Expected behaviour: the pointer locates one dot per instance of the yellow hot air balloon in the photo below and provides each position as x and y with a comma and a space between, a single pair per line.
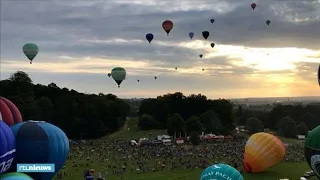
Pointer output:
262, 151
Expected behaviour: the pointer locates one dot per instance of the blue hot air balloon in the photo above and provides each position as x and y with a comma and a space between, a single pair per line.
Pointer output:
149, 37
40, 142
191, 34
15, 176
220, 172
7, 147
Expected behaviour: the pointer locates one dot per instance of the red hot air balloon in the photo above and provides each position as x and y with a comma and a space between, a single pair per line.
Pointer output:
9, 113
253, 5
167, 26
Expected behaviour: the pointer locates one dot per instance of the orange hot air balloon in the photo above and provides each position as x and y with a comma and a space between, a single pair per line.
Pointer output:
262, 151
167, 26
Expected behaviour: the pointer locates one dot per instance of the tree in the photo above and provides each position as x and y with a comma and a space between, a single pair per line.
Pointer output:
309, 120
194, 124
254, 125
195, 138
287, 128
211, 122
20, 77
176, 125
302, 128
147, 122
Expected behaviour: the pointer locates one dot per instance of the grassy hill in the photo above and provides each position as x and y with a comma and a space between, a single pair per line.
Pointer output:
130, 130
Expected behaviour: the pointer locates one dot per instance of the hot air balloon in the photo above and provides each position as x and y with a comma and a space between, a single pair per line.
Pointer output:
200, 55
30, 50
176, 68
205, 34
319, 75
109, 74
268, 22
40, 142
118, 74
202, 69
138, 80
191, 34
9, 113
253, 5
212, 45
149, 37
155, 77
312, 150
7, 147
15, 176
212, 21
262, 151
220, 172
167, 26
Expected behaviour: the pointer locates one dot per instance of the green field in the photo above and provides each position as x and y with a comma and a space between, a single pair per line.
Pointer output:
283, 170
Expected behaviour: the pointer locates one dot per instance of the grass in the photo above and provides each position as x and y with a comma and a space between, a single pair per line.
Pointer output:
282, 170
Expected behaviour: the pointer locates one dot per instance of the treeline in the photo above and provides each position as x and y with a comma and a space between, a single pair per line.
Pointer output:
182, 115
78, 114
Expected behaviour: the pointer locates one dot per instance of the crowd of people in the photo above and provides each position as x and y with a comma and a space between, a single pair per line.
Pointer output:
118, 157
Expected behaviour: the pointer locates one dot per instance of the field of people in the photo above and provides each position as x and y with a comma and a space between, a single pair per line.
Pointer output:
114, 158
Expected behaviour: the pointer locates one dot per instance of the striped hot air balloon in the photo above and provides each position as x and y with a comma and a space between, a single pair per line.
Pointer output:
40, 142
262, 151
7, 147
9, 113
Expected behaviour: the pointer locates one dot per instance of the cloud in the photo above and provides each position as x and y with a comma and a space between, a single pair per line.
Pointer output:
92, 37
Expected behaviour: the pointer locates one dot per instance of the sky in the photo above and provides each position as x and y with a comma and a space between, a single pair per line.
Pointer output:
81, 41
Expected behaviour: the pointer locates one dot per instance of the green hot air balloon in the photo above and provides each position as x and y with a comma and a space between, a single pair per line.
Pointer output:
312, 150
30, 50
118, 74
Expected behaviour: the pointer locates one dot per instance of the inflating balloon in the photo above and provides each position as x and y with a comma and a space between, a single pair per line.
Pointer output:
212, 45
268, 22
262, 151
109, 74
30, 50
200, 55
191, 34
9, 113
220, 172
212, 21
40, 142
7, 147
15, 176
319, 75
312, 150
205, 34
253, 5
149, 37
167, 26
118, 74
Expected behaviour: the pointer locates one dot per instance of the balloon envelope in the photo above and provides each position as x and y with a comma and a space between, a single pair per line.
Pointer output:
268, 22
312, 150
205, 34
220, 172
40, 142
30, 50
109, 74
118, 74
9, 113
262, 151
15, 176
212, 45
191, 34
212, 20
253, 5
167, 26
7, 147
149, 37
